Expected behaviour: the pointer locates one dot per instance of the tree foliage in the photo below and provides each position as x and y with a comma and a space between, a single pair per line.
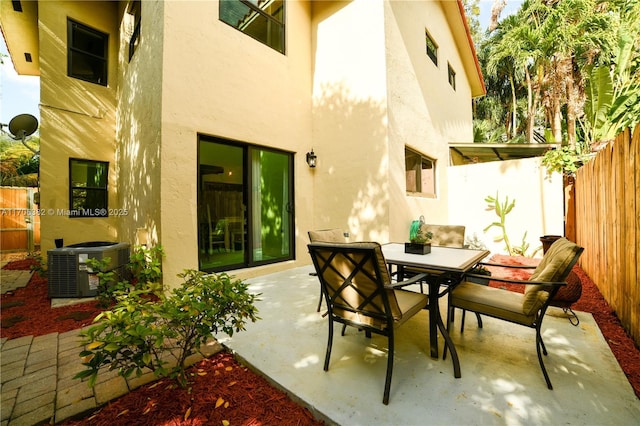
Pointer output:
18, 164
568, 66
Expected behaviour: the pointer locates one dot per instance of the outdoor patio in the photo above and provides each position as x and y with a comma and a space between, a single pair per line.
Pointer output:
501, 380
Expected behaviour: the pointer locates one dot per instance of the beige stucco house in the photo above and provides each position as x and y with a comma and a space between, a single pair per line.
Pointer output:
188, 123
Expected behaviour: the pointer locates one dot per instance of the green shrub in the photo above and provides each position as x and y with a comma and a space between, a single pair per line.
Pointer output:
142, 273
139, 332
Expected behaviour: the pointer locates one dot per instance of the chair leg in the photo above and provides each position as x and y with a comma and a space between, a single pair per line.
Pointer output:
387, 380
320, 301
539, 346
329, 344
479, 320
572, 316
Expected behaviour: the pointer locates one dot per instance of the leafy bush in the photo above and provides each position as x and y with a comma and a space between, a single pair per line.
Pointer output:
142, 273
140, 333
564, 161
145, 265
39, 266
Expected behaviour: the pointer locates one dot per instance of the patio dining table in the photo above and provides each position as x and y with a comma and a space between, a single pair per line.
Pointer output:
446, 266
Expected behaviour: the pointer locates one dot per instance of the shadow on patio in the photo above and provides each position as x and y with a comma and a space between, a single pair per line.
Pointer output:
501, 380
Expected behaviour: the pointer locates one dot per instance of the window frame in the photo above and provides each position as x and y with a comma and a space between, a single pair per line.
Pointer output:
419, 190
89, 211
431, 47
265, 15
451, 76
135, 10
72, 52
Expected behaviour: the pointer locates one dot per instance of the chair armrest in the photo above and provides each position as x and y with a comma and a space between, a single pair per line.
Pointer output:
412, 280
502, 265
520, 282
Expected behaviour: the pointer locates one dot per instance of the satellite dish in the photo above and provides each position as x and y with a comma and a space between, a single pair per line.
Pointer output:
23, 125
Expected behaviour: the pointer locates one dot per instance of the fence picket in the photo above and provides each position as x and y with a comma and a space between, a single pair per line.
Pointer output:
608, 225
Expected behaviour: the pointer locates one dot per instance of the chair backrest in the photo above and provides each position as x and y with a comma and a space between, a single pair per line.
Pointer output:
445, 235
334, 235
353, 278
555, 266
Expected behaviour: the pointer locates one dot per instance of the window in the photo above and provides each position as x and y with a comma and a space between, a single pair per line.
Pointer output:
88, 188
245, 205
135, 17
432, 48
261, 19
452, 76
87, 53
420, 173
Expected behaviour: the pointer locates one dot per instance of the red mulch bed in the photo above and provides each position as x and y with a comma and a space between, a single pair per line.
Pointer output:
592, 301
27, 311
222, 391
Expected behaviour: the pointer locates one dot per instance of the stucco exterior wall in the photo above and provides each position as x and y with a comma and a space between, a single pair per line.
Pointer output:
539, 208
218, 81
351, 181
355, 85
425, 112
139, 121
77, 121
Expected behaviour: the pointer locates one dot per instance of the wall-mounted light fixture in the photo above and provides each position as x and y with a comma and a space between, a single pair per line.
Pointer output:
311, 158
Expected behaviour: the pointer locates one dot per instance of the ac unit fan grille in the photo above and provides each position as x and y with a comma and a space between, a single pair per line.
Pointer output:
62, 275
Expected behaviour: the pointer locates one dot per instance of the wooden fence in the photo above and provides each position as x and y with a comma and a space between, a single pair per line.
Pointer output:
19, 220
607, 204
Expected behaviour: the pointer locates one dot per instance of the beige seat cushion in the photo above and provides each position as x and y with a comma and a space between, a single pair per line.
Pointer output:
410, 303
327, 236
554, 267
491, 301
403, 304
445, 235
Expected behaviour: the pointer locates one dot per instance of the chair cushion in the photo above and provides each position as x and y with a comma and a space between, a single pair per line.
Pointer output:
327, 236
410, 303
554, 267
496, 302
445, 235
364, 281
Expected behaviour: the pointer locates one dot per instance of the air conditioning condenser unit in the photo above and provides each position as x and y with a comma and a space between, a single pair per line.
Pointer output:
69, 274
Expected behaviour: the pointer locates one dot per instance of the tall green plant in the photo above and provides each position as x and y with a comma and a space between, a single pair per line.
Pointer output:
501, 210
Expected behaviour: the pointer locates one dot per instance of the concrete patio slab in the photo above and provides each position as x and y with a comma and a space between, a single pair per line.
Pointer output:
501, 380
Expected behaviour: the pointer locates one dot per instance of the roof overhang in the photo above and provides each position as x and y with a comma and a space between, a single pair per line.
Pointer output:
466, 153
454, 11
19, 21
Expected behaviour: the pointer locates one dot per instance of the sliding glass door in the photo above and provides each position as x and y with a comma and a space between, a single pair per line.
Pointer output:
245, 205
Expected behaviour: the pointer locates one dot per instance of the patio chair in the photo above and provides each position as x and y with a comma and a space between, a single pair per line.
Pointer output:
526, 309
333, 235
357, 286
444, 236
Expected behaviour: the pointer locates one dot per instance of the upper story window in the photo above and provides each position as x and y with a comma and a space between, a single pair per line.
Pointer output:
420, 173
432, 47
261, 19
88, 188
135, 17
87, 53
452, 76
